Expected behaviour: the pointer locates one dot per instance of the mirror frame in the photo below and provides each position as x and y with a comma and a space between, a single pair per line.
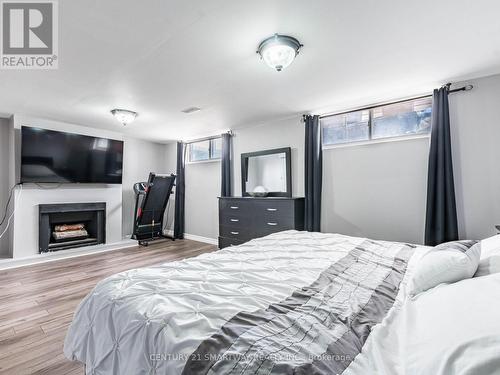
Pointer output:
288, 162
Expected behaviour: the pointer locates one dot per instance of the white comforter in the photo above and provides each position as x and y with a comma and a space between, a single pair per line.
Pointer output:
151, 320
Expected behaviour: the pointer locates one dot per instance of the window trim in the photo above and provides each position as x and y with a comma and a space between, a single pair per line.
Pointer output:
210, 150
203, 161
399, 138
371, 140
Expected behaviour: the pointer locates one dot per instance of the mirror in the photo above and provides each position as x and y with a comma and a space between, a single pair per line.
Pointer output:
268, 171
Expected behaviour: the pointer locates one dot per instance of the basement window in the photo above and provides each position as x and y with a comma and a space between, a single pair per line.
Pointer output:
205, 150
401, 119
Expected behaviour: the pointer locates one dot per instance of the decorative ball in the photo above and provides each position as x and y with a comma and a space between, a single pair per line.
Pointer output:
259, 191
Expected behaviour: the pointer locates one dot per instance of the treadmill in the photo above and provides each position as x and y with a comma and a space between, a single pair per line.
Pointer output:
151, 200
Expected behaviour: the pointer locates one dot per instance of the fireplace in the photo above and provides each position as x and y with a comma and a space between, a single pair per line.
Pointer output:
71, 225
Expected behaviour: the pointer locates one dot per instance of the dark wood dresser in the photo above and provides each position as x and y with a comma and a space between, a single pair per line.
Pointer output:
244, 218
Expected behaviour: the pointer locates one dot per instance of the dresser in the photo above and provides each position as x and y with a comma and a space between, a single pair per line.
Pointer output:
244, 218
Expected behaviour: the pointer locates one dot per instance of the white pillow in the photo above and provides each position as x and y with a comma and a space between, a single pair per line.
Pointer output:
490, 246
445, 263
488, 265
490, 257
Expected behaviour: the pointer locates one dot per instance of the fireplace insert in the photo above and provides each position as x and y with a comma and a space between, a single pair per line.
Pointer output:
71, 225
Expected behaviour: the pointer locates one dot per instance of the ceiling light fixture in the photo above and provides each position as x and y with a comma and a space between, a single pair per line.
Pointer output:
278, 51
191, 110
124, 115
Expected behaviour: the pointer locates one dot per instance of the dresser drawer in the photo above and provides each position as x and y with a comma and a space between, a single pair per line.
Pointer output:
242, 234
226, 242
235, 207
267, 227
235, 220
275, 207
242, 219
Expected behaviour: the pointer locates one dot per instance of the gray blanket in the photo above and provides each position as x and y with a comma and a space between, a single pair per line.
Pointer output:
337, 310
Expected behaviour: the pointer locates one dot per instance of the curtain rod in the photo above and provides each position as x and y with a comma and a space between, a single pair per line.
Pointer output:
464, 88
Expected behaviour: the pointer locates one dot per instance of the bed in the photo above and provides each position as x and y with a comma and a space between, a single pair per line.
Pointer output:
288, 303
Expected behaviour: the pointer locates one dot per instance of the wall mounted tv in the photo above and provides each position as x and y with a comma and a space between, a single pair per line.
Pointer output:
49, 156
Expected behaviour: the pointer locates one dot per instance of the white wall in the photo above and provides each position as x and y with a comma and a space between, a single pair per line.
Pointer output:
4, 180
25, 237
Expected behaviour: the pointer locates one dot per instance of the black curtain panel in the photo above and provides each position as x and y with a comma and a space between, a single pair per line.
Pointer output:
226, 178
313, 173
441, 224
179, 192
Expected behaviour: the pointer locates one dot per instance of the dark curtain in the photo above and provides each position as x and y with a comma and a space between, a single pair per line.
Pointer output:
226, 188
441, 224
313, 173
179, 192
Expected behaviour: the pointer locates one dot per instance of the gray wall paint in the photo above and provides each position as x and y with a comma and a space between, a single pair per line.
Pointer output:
4, 180
366, 189
475, 121
283, 133
170, 166
377, 190
203, 179
380, 190
140, 158
202, 190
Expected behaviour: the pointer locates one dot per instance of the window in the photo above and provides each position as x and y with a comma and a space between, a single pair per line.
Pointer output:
216, 148
347, 127
411, 117
209, 149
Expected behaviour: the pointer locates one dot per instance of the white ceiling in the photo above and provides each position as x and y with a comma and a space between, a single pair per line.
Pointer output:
159, 57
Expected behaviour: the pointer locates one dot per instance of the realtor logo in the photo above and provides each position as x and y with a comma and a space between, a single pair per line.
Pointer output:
29, 35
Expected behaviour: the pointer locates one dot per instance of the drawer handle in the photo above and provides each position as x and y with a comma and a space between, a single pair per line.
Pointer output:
235, 233
272, 209
235, 220
272, 224
234, 207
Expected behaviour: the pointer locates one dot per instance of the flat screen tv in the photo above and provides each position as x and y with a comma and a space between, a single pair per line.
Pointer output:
49, 156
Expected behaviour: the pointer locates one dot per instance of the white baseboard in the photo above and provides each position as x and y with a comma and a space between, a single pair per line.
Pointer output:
58, 255
8, 263
194, 237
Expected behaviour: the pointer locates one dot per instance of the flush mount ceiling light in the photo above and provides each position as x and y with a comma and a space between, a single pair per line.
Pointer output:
124, 115
191, 110
278, 51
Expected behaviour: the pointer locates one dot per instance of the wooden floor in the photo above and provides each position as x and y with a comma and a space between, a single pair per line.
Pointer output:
37, 302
